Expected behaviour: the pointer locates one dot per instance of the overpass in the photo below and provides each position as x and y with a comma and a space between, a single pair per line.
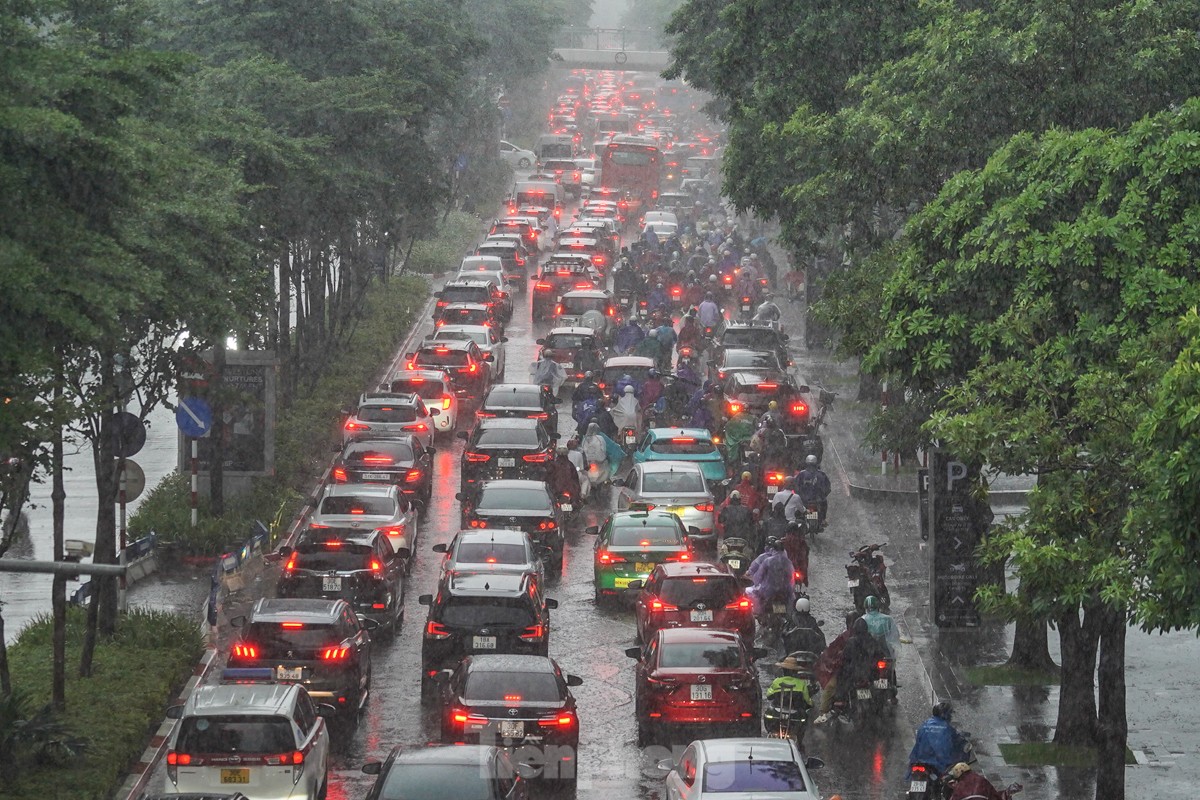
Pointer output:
633, 49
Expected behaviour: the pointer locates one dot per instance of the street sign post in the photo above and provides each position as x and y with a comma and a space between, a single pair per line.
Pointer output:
194, 417
129, 434
957, 522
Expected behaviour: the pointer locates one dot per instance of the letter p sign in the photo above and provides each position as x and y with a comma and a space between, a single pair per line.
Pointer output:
955, 471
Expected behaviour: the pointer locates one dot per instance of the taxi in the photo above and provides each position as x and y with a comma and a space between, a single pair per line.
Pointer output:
629, 545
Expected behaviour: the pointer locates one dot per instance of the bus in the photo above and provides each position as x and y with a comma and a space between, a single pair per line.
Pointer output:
633, 166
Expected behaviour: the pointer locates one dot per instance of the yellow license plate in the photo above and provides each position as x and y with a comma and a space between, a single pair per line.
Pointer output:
646, 567
676, 510
622, 583
235, 775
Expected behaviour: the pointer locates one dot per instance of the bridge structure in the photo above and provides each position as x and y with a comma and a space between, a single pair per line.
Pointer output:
632, 49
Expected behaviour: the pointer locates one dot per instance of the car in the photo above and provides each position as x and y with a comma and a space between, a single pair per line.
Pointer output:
493, 271
519, 701
682, 204
629, 545
520, 505
481, 291
542, 221
692, 595
566, 172
662, 230
523, 401
576, 348
364, 507
683, 444
506, 447
526, 227
660, 216
401, 461
516, 157
235, 735
390, 414
434, 773
513, 256
483, 612
695, 678
490, 342
490, 550
469, 314
480, 263
678, 487
544, 216
320, 644
469, 370
742, 769
755, 336
729, 360
561, 273
599, 250
754, 392
433, 386
588, 308
636, 367
360, 567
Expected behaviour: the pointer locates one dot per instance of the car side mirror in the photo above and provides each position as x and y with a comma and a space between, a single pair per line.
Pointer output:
812, 762
693, 531
666, 765
431, 449
403, 552
556, 401
634, 652
540, 341
435, 412
551, 603
441, 548
425, 600
503, 339
574, 680
372, 768
464, 435
460, 497
175, 712
238, 621
820, 623
592, 530
367, 623
636, 583
489, 358
803, 388
442, 676
759, 652
285, 551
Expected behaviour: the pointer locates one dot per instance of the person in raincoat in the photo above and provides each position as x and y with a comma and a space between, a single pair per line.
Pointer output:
652, 389
548, 372
627, 413
629, 336
603, 455
622, 384
771, 574
738, 432
579, 461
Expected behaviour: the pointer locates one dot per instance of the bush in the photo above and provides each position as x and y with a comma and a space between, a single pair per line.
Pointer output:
445, 252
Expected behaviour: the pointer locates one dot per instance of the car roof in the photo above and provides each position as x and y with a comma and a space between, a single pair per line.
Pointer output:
737, 749
670, 433
474, 583
462, 328
449, 344
387, 399
300, 609
466, 754
514, 388
427, 374
573, 330
242, 699
670, 466
692, 635
629, 361
499, 535
359, 489
509, 422
512, 663
683, 569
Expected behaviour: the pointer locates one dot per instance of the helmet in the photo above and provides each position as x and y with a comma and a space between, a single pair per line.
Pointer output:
691, 273
675, 254
735, 495
943, 710
587, 374
799, 661
660, 286
811, 460
628, 390
769, 422
774, 543
772, 405
712, 279
860, 627
802, 605
654, 373
745, 261
709, 295
958, 770
871, 603
746, 476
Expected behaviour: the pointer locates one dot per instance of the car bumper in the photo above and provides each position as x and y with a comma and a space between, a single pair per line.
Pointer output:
267, 783
445, 421
609, 582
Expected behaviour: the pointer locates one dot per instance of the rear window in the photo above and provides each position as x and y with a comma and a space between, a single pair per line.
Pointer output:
539, 687
242, 734
501, 437
465, 294
649, 536
683, 446
747, 359
387, 413
335, 556
448, 358
487, 612
378, 454
682, 482
425, 389
700, 655
435, 782
466, 316
514, 498
367, 506
684, 591
567, 341
509, 399
491, 553
581, 305
478, 337
723, 777
749, 338
613, 374
274, 638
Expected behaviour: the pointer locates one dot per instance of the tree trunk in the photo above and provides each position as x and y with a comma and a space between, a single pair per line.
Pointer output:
283, 331
1031, 648
216, 461
1112, 727
106, 494
5, 677
1076, 724
58, 587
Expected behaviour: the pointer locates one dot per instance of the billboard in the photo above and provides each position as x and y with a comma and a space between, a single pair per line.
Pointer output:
957, 522
245, 399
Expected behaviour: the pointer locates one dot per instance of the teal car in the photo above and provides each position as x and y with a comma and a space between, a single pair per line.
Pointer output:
683, 444
630, 544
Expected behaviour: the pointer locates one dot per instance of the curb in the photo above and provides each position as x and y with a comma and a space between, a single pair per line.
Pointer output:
1003, 497
135, 784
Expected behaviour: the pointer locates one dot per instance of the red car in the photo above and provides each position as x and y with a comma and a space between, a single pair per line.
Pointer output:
695, 595
689, 678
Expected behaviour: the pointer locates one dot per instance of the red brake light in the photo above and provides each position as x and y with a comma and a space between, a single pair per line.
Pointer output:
351, 425
542, 286
478, 458
420, 427
919, 768
659, 605
340, 475
441, 350
562, 721
547, 525
479, 523
683, 440
605, 557
376, 565
741, 604
436, 630
377, 459
881, 665
534, 632
245, 651
768, 386
735, 408
611, 311
178, 759
337, 653
295, 625
290, 565
728, 279
708, 507
680, 556
676, 291
799, 408
536, 458
473, 368
413, 476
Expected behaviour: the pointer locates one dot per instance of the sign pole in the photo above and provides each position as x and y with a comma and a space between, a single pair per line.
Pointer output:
121, 488
195, 479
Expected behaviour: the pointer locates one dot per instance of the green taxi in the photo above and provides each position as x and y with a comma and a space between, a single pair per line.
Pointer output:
630, 544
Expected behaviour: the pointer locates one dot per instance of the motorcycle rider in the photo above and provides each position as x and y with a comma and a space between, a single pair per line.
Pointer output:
884, 629
938, 744
771, 444
659, 299
813, 487
665, 333
772, 412
787, 499
858, 659
622, 382
738, 432
625, 279
796, 678
736, 519
563, 477
652, 389
710, 312
690, 334
966, 784
628, 336
795, 544
596, 448
627, 413
548, 372
579, 461
604, 419
767, 311
805, 632
771, 574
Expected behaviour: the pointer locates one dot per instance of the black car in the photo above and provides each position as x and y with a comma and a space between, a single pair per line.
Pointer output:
754, 392
402, 461
469, 369
506, 447
483, 612
320, 644
512, 701
761, 362
755, 336
520, 505
559, 276
357, 566
522, 400
435, 773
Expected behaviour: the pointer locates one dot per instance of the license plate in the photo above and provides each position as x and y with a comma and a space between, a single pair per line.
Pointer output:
863, 694
852, 583
289, 673
644, 567
701, 691
376, 476
676, 510
779, 608
333, 584
881, 683
812, 516
630, 438
624, 301
622, 583
772, 489
512, 728
568, 507
241, 775
702, 616
508, 462
745, 306
917, 786
483, 642
734, 563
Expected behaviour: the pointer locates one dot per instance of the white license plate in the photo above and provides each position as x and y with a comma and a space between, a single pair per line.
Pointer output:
630, 438
881, 683
863, 694
917, 786
483, 642
333, 584
701, 691
289, 673
812, 516
734, 563
568, 507
852, 583
512, 728
779, 608
702, 616
772, 488
376, 476
745, 306
508, 462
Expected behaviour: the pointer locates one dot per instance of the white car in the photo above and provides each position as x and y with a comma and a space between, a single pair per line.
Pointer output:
434, 387
663, 230
385, 414
266, 740
516, 157
741, 769
660, 216
482, 335
675, 486
367, 507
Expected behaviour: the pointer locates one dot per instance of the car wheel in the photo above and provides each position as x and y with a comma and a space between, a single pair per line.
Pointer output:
645, 733
524, 163
556, 563
324, 790
427, 688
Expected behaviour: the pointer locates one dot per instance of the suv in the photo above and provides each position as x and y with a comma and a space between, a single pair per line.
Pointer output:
469, 314
490, 342
560, 274
400, 461
359, 567
434, 388
319, 644
469, 370
387, 414
576, 349
588, 308
506, 447
471, 290
700, 595
566, 172
483, 612
754, 392
756, 336
270, 741
514, 257
522, 400
528, 232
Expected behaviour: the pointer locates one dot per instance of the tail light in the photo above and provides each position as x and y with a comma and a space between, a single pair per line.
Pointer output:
662, 684
680, 556
245, 651
728, 279
611, 311
446, 403
414, 475
351, 425
534, 633
575, 176
477, 458
436, 630
478, 523
547, 525
536, 458
473, 368
741, 604
561, 721
542, 286
420, 427
881, 665
659, 605
376, 566
676, 291
605, 557
775, 478
461, 717
799, 408
290, 566
798, 577
335, 653
707, 507
558, 310
921, 768
394, 530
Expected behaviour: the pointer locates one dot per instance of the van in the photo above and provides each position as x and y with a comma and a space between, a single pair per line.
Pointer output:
553, 145
536, 193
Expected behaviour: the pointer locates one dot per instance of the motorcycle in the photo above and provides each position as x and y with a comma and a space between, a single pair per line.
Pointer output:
785, 715
746, 307
735, 554
774, 481
625, 299
807, 639
773, 619
812, 518
924, 782
629, 439
865, 576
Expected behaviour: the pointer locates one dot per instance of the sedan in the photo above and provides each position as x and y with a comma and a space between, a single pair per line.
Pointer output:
402, 462
506, 448
519, 505
697, 595
517, 157
742, 769
434, 773
521, 401
695, 445
760, 362
696, 678
365, 507
677, 487
575, 348
490, 550
629, 545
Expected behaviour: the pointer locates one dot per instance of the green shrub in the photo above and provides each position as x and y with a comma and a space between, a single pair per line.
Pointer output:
445, 251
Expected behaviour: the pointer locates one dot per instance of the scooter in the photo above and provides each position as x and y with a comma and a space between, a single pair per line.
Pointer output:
865, 576
786, 714
812, 518
629, 439
735, 554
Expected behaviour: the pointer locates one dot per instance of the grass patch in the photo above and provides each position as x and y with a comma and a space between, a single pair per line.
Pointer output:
1003, 675
135, 675
1049, 754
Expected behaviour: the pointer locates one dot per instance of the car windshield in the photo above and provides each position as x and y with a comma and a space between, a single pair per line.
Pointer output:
567, 341
703, 655
387, 413
487, 612
538, 687
683, 482
422, 387
491, 553
581, 305
332, 556
236, 733
723, 777
520, 499
355, 506
435, 782
684, 591
377, 454
507, 437
683, 446
648, 536
443, 357
517, 399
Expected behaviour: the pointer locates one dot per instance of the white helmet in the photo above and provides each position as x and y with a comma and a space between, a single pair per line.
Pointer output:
802, 605
811, 460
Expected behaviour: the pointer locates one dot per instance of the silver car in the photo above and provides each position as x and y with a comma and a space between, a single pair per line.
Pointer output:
368, 506
484, 336
490, 550
383, 414
675, 486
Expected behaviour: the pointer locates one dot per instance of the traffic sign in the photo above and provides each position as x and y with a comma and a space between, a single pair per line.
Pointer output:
135, 480
129, 434
194, 416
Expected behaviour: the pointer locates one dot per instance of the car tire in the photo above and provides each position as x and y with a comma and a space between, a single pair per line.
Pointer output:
427, 689
556, 563
524, 163
645, 733
323, 792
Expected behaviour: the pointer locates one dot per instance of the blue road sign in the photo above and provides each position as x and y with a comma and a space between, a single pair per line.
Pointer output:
194, 416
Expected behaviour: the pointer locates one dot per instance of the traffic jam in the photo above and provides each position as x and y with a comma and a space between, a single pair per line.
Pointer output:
579, 539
